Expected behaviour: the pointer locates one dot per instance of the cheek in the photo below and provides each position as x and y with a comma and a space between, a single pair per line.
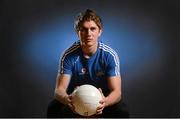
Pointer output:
98, 34
80, 35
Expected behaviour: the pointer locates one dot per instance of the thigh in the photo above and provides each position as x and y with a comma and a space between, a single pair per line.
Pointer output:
57, 109
117, 110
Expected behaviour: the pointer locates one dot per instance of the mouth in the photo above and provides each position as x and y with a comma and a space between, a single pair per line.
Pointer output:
89, 39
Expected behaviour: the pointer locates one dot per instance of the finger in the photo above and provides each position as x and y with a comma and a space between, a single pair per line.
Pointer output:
99, 111
69, 100
70, 97
100, 90
70, 106
76, 87
73, 108
102, 101
100, 107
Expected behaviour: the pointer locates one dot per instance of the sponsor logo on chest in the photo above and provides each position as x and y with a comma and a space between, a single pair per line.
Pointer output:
99, 73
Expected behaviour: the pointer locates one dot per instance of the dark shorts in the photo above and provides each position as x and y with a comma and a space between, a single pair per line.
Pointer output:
57, 109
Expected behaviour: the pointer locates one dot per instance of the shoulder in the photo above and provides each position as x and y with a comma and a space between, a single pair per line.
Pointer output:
107, 50
72, 49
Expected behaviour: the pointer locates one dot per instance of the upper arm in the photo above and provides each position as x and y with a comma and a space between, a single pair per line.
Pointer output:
114, 83
64, 72
113, 71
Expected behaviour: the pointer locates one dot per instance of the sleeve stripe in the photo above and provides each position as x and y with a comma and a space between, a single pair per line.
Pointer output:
114, 54
68, 51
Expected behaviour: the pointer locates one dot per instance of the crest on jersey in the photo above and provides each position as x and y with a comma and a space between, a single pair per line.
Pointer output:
83, 70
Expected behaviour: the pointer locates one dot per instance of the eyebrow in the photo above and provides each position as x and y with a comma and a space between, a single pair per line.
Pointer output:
93, 27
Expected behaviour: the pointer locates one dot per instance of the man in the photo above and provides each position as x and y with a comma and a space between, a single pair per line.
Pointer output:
88, 61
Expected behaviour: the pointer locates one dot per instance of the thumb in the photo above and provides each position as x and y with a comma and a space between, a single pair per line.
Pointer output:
100, 90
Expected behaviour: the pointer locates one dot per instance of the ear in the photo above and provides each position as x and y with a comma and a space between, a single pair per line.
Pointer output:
100, 31
78, 33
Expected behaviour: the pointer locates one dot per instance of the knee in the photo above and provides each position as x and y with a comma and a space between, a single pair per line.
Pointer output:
53, 108
123, 109
119, 110
54, 103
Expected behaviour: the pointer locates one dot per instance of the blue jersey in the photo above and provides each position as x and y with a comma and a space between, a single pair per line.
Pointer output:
94, 70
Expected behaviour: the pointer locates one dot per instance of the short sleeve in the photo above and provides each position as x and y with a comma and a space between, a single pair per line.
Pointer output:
65, 65
113, 65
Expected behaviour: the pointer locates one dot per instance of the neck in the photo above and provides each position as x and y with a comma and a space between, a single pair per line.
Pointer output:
89, 50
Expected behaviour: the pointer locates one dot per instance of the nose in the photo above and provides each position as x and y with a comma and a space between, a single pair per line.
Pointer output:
88, 32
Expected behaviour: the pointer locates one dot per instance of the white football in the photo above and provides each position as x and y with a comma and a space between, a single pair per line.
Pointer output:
86, 99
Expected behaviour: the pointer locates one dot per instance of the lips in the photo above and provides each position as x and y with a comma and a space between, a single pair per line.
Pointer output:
89, 39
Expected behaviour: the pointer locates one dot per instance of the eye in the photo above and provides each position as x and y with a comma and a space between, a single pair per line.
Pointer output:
93, 28
82, 29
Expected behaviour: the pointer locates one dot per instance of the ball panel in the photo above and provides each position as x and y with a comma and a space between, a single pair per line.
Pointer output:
86, 99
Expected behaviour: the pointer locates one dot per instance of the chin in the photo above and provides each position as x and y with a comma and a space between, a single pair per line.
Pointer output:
89, 44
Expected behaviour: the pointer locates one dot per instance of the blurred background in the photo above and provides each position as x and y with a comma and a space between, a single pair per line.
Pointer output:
145, 34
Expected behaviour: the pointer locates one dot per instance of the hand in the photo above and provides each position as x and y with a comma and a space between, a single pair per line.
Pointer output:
102, 104
68, 102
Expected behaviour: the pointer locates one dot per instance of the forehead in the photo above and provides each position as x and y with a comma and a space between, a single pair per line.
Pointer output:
88, 24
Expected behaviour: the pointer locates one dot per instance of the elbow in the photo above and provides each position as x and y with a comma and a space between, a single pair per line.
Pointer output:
119, 96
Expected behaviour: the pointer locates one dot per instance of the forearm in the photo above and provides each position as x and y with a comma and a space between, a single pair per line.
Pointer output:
112, 98
60, 95
61, 86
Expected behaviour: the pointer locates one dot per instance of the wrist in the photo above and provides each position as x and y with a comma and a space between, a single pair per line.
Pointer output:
61, 97
64, 99
106, 102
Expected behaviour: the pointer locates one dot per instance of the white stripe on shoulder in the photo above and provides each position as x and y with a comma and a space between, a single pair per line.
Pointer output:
73, 46
68, 51
114, 54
